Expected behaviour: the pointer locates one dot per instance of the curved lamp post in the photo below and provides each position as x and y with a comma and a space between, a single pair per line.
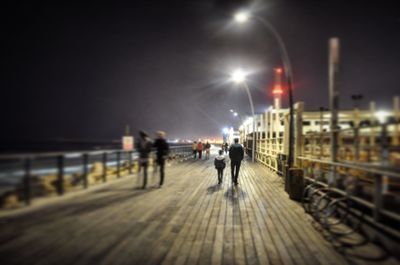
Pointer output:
242, 17
239, 77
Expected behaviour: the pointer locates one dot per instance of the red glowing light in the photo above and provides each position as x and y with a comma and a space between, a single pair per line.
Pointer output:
278, 70
277, 92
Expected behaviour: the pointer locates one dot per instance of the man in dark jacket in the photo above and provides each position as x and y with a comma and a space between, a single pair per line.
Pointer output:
144, 149
162, 149
236, 154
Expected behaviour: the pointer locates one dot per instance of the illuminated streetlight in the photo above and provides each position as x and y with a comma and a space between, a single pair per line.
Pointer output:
242, 17
239, 77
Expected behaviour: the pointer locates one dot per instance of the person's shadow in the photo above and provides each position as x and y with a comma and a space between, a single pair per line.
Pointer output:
234, 194
214, 188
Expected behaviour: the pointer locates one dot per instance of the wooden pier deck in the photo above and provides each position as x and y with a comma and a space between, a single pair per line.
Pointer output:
191, 220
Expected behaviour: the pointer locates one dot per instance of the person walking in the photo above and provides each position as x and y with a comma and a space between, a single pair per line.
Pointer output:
162, 150
144, 148
219, 163
200, 149
207, 146
226, 147
236, 154
194, 149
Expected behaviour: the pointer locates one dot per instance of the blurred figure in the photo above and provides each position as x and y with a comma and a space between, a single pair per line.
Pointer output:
219, 163
200, 149
226, 147
162, 149
144, 149
236, 154
207, 146
194, 148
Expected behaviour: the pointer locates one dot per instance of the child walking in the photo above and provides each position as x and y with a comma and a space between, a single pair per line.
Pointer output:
219, 163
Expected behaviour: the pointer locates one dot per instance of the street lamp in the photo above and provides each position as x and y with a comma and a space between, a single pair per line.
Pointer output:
242, 17
239, 77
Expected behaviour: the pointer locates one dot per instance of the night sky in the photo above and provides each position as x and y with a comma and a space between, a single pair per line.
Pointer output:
83, 71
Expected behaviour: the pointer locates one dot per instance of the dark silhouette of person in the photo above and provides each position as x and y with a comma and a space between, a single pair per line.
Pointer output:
144, 148
162, 150
200, 149
207, 147
236, 154
226, 148
219, 163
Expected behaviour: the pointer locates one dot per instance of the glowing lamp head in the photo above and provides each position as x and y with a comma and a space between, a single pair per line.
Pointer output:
235, 114
241, 17
238, 76
278, 70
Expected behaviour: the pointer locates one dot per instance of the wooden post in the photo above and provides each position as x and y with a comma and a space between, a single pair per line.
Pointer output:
372, 110
396, 110
130, 162
60, 176
27, 181
378, 187
104, 176
85, 170
334, 102
118, 164
298, 150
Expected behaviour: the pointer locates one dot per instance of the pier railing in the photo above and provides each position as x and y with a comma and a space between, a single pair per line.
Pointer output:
25, 176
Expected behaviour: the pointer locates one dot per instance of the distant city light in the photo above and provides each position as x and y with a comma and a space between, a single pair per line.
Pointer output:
235, 114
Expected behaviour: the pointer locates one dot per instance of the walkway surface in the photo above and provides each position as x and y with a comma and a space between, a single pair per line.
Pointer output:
191, 220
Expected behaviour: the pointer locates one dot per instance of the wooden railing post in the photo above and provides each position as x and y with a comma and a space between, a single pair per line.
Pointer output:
60, 176
27, 181
118, 164
104, 176
85, 170
130, 162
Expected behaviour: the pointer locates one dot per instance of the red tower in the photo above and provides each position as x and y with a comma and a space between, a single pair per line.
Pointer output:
277, 90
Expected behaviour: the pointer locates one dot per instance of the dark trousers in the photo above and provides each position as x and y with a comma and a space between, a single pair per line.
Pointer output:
161, 164
200, 152
235, 167
143, 166
220, 174
194, 154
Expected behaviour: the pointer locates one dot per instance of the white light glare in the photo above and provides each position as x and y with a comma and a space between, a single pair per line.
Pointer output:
382, 115
249, 120
238, 76
235, 114
241, 17
225, 130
